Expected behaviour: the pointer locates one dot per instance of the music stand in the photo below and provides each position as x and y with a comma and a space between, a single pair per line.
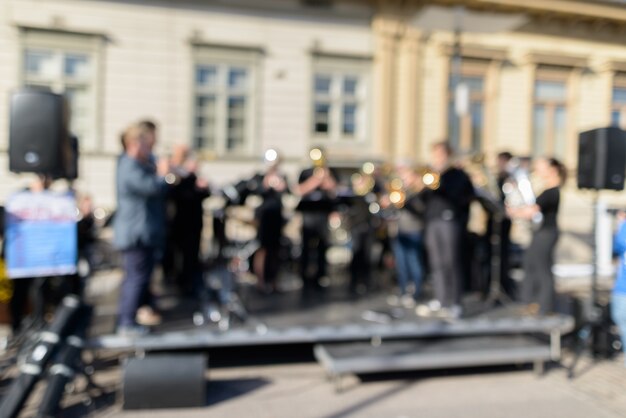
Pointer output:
496, 295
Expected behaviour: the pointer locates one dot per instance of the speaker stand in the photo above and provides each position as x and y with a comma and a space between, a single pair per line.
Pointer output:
593, 316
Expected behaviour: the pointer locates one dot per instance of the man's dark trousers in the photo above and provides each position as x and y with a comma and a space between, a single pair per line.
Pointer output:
138, 266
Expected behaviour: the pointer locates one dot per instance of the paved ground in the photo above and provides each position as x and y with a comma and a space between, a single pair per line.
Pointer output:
300, 390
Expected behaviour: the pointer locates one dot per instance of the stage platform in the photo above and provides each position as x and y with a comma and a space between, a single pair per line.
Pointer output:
297, 318
341, 359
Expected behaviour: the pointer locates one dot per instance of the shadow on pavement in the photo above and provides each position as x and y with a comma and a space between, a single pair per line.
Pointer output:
225, 390
103, 401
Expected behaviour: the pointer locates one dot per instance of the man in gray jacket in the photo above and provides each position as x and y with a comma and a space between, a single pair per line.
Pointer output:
139, 223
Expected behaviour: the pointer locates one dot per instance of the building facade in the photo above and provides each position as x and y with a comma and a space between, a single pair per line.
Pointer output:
363, 78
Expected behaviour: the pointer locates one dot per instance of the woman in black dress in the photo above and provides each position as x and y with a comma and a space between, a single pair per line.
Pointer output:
537, 290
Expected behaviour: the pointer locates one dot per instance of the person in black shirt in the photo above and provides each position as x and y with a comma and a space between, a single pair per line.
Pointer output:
271, 186
317, 188
538, 287
361, 222
503, 176
186, 197
446, 216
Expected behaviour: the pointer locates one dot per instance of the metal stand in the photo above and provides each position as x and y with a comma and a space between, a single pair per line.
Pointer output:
27, 336
220, 302
68, 365
593, 317
496, 295
47, 346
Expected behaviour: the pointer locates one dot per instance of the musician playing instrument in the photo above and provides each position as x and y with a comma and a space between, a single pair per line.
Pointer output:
317, 188
361, 205
446, 216
503, 175
271, 186
185, 220
407, 231
537, 289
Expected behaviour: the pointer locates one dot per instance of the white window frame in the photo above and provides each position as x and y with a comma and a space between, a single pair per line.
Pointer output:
550, 106
339, 68
223, 57
465, 139
619, 82
61, 44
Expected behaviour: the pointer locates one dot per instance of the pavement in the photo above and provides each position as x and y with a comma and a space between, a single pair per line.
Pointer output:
301, 390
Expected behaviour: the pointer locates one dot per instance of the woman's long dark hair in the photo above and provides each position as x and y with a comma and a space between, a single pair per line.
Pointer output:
560, 168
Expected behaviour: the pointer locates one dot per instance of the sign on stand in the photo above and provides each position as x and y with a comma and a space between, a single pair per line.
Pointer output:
41, 235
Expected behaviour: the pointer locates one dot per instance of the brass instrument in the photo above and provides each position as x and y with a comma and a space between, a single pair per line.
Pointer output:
431, 179
273, 178
482, 178
318, 158
271, 157
363, 182
172, 179
518, 190
397, 193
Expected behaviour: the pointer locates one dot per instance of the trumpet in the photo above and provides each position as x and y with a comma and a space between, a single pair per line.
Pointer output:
431, 179
397, 193
318, 158
173, 178
363, 182
271, 157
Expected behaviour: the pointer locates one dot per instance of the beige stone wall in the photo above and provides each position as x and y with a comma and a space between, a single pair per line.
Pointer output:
511, 85
147, 71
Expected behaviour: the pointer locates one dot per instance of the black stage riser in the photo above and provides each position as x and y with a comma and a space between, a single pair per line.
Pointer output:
165, 381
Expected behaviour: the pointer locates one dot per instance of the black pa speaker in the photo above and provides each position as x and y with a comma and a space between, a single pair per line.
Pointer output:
39, 140
165, 381
602, 159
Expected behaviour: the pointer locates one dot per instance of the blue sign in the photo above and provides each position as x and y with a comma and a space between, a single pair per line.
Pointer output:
41, 237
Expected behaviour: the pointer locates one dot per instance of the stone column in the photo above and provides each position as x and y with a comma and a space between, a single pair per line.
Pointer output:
522, 141
386, 32
573, 109
407, 94
491, 102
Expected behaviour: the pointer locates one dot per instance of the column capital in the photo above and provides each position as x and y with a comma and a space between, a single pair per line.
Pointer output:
389, 26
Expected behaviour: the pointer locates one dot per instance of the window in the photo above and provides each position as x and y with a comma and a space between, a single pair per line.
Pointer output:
467, 131
339, 101
66, 64
224, 106
618, 108
550, 117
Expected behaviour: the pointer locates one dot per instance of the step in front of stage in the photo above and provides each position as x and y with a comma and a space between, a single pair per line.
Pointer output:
339, 359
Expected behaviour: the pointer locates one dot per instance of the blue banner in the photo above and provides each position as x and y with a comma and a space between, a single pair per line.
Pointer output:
41, 236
